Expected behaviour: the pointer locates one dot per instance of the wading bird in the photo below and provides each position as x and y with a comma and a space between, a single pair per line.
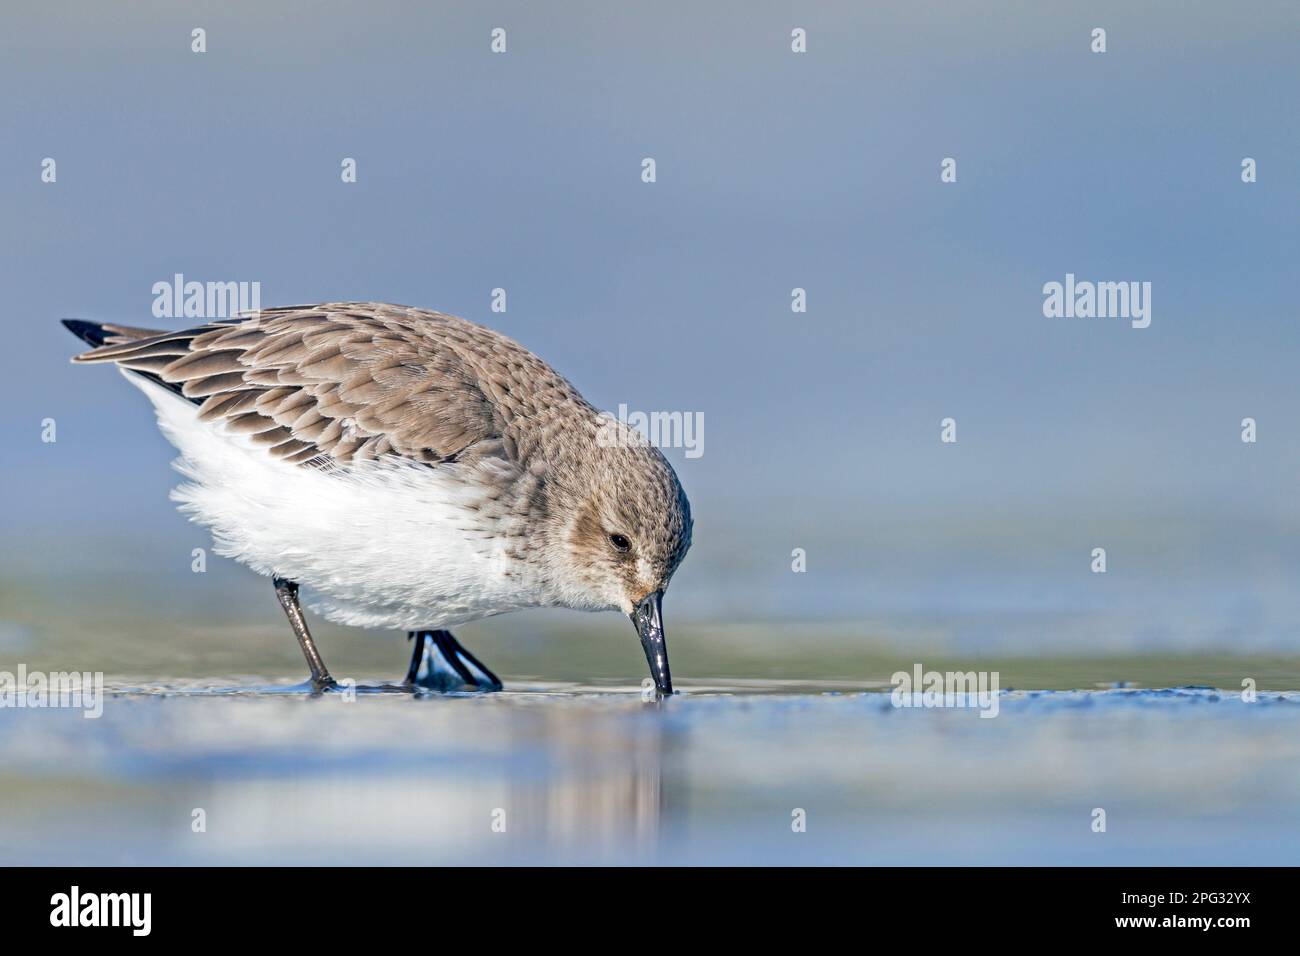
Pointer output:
411, 469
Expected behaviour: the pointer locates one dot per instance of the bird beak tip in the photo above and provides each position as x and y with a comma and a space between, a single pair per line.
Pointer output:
647, 617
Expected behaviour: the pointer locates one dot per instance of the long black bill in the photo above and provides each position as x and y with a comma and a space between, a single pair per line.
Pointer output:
649, 622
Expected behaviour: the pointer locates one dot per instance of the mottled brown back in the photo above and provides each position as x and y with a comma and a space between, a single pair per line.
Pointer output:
350, 381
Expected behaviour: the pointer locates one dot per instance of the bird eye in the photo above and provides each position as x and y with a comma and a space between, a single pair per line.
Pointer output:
620, 542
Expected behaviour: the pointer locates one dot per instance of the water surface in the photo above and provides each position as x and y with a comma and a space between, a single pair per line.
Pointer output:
592, 773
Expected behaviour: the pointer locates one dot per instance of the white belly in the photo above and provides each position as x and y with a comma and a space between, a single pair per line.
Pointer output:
383, 545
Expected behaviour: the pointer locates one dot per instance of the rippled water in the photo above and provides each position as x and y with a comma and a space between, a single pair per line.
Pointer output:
593, 773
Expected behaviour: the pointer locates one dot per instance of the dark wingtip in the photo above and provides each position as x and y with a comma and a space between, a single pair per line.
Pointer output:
92, 333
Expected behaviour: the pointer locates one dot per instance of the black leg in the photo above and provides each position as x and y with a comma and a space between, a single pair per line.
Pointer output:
457, 651
417, 655
457, 657
287, 592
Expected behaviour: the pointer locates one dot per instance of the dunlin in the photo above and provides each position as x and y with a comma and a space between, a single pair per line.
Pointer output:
412, 470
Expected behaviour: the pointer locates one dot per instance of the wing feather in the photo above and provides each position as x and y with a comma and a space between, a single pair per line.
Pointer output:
339, 382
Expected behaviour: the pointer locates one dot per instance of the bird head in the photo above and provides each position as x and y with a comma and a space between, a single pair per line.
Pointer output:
625, 528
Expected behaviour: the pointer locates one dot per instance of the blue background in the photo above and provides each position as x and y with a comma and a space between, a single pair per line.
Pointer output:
775, 170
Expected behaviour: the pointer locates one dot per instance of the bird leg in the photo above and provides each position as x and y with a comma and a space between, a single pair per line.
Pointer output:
287, 592
471, 672
417, 655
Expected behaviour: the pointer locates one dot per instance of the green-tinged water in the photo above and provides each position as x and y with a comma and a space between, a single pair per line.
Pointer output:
132, 632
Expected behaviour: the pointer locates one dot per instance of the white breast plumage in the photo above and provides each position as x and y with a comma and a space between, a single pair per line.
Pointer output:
383, 544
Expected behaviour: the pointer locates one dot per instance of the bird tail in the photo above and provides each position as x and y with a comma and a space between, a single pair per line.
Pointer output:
102, 334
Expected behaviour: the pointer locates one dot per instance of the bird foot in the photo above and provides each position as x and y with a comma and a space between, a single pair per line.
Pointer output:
447, 667
319, 686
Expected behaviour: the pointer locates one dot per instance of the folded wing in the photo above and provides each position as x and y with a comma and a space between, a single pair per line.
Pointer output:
344, 382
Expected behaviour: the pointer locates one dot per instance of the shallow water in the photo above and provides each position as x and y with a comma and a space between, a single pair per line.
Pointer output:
592, 773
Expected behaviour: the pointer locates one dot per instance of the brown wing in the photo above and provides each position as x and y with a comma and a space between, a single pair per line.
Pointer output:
349, 381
